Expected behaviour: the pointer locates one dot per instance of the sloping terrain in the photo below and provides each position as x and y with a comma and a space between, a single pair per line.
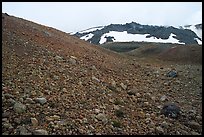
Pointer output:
57, 84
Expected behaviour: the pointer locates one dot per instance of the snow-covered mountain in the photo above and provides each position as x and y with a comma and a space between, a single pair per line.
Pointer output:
197, 28
191, 34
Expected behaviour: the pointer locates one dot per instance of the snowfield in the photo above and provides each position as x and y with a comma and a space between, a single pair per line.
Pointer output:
88, 36
125, 37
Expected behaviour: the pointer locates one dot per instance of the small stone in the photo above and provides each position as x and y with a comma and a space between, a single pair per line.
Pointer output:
153, 98
172, 74
163, 98
23, 131
7, 96
123, 86
102, 117
55, 117
113, 83
41, 100
4, 119
164, 124
21, 100
131, 92
146, 103
5, 115
58, 58
49, 118
34, 122
6, 125
72, 61
95, 79
11, 101
159, 130
64, 90
19, 107
148, 120
29, 100
141, 114
97, 111
138, 95
116, 107
17, 120
33, 93
194, 125
194, 133
85, 120
40, 132
171, 110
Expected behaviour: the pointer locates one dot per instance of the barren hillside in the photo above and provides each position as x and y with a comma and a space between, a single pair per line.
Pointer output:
57, 84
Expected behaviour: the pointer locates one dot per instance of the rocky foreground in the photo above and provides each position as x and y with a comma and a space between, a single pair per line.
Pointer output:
56, 84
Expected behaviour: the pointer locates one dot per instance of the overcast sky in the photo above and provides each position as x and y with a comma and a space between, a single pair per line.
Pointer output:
77, 16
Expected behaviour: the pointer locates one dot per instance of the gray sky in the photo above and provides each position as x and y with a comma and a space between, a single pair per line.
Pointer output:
77, 16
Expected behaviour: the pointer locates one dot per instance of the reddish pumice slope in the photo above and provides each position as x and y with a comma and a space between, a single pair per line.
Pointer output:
57, 84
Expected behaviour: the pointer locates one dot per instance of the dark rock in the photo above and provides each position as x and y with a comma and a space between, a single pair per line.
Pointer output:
171, 110
172, 74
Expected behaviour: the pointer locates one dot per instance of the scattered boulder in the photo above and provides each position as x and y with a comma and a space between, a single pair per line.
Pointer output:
19, 107
172, 74
41, 100
40, 132
23, 131
102, 117
171, 110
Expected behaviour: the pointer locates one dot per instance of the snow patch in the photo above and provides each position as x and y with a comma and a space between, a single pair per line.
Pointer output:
88, 36
198, 32
199, 42
126, 37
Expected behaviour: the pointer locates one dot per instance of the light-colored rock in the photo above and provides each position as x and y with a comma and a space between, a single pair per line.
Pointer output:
123, 86
95, 79
113, 83
72, 61
97, 111
19, 107
64, 90
164, 124
55, 117
34, 122
41, 100
40, 132
29, 100
102, 117
163, 98
159, 130
33, 93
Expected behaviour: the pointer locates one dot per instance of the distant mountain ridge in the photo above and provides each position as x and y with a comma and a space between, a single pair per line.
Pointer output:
138, 32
